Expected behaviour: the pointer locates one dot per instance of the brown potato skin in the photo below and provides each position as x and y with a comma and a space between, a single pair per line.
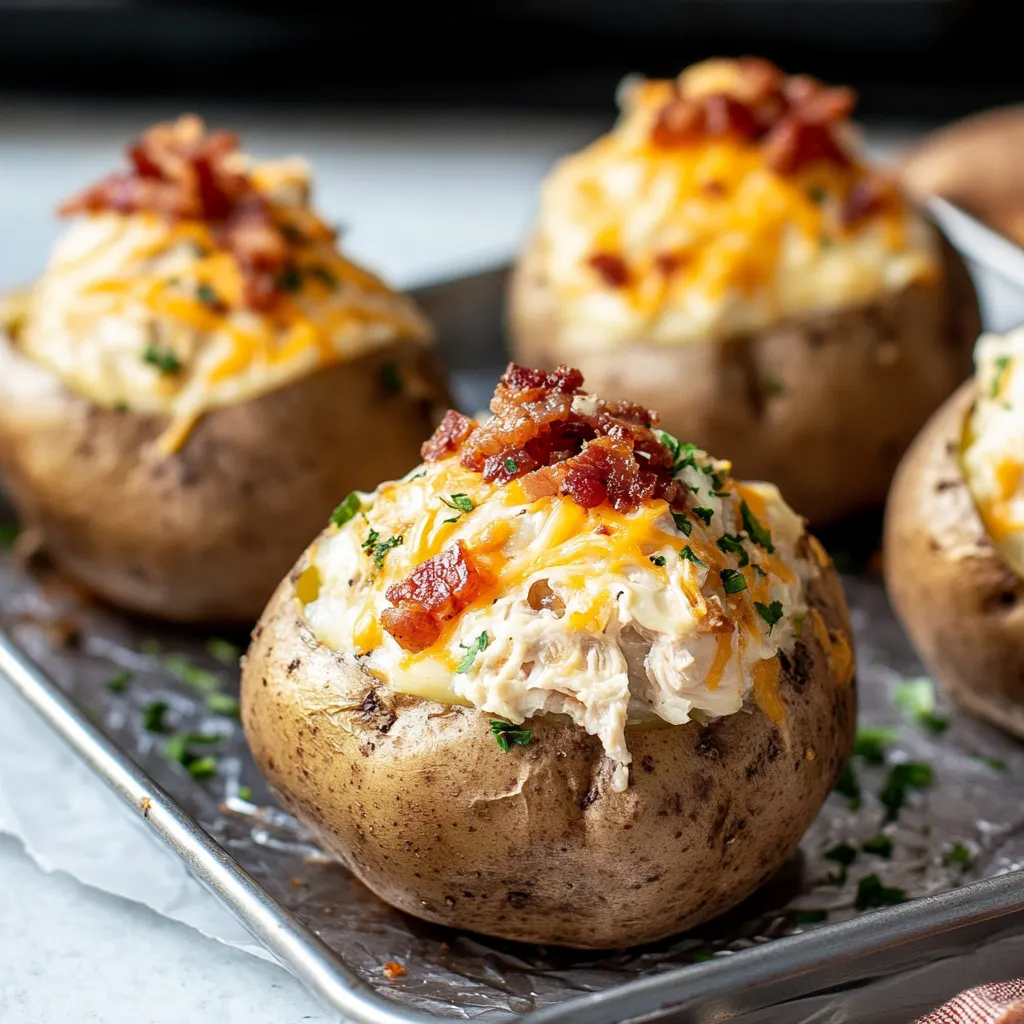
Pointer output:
205, 534
856, 384
418, 801
960, 603
976, 164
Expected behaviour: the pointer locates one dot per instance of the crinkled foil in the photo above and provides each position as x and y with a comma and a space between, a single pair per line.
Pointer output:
973, 801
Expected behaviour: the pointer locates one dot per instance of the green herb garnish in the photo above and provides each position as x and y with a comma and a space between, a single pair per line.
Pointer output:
245, 793
997, 764
880, 846
1002, 365
380, 549
872, 741
8, 535
687, 554
202, 767
659, 559
223, 704
223, 650
759, 534
511, 466
460, 502
871, 893
729, 543
390, 379
705, 514
703, 955
506, 734
176, 747
478, 645
843, 853
683, 525
153, 716
809, 916
206, 295
958, 855
119, 681
164, 360
771, 613
289, 280
348, 509
848, 785
192, 675
917, 698
902, 779
733, 581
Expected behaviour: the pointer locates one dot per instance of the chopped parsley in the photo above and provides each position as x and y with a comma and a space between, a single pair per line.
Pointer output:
8, 535
381, 549
206, 295
460, 502
729, 543
506, 734
759, 534
933, 723
202, 767
683, 525
997, 764
917, 698
871, 893
165, 361
687, 554
472, 650
703, 955
1002, 365
176, 749
289, 280
223, 650
705, 514
771, 613
192, 675
119, 681
245, 793
880, 846
843, 853
733, 581
759, 572
659, 559
809, 916
153, 715
323, 274
223, 704
848, 785
347, 510
958, 855
683, 454
511, 466
872, 741
902, 779
390, 379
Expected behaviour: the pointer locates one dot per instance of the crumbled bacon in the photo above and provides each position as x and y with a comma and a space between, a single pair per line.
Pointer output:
448, 438
793, 118
610, 268
434, 592
180, 172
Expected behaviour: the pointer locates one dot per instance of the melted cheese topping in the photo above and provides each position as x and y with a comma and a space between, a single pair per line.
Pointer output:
748, 247
136, 311
993, 448
631, 630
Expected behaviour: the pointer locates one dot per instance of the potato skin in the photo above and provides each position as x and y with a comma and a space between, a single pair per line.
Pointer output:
959, 601
822, 406
205, 534
418, 801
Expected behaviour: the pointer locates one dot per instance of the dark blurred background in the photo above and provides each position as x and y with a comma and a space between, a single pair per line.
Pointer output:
910, 59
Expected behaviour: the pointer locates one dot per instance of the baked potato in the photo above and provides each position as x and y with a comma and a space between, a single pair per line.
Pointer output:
725, 255
975, 163
184, 391
954, 538
567, 682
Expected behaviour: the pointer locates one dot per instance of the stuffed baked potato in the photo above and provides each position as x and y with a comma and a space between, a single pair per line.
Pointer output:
184, 392
954, 538
725, 255
567, 682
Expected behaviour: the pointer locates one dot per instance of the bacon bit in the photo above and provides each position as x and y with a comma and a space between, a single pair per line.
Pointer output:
392, 969
668, 263
434, 592
680, 123
864, 199
527, 378
180, 172
611, 269
448, 438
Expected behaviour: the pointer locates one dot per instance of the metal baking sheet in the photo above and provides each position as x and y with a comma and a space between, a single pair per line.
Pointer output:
957, 843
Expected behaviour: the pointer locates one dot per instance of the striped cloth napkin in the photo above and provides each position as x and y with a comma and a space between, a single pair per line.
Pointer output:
1001, 1002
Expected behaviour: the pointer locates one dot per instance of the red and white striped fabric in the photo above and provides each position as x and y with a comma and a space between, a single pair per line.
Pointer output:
1002, 1002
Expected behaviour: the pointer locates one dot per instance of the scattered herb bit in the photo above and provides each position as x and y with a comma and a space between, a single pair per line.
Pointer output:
872, 741
772, 386
683, 455
202, 767
759, 534
704, 514
843, 853
902, 778
223, 704
460, 502
223, 650
759, 572
390, 379
176, 748
917, 698
729, 543
683, 525
380, 549
348, 509
511, 466
506, 734
1002, 365
206, 295
771, 613
245, 793
323, 274
151, 646
880, 846
119, 681
809, 916
371, 541
192, 675
848, 785
997, 764
658, 559
733, 581
290, 279
703, 955
871, 893
933, 723
153, 715
958, 855
687, 554
472, 650
164, 360
8, 535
